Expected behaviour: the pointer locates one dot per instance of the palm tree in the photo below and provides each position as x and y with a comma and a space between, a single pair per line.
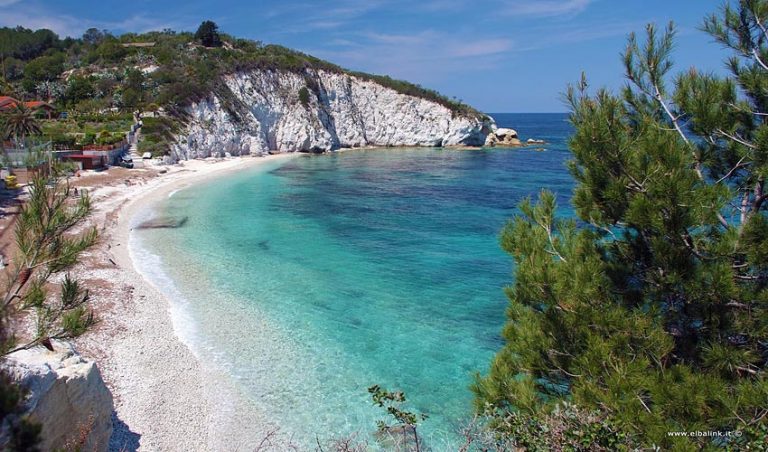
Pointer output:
20, 123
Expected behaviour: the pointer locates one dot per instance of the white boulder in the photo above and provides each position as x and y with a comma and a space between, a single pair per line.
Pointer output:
503, 137
66, 395
503, 133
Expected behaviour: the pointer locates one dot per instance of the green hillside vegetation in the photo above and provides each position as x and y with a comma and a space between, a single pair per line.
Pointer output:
100, 75
157, 135
97, 72
86, 129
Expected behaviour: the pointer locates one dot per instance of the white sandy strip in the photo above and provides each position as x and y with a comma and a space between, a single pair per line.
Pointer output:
164, 398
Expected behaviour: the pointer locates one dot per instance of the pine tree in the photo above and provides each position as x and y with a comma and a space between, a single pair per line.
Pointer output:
208, 34
653, 311
48, 245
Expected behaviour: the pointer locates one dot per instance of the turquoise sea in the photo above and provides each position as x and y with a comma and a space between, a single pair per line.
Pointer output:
308, 280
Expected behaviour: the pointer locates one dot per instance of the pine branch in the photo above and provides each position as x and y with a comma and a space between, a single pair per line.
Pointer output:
744, 207
740, 164
759, 60
737, 139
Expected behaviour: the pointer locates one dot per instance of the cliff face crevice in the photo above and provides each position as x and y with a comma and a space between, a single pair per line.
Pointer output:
342, 111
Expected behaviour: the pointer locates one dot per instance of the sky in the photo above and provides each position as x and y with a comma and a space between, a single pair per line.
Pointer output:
496, 55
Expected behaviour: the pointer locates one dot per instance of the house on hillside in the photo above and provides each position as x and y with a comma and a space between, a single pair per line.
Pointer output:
7, 103
40, 106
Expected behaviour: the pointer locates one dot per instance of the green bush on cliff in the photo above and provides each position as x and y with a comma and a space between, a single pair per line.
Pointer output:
653, 311
304, 96
208, 34
157, 135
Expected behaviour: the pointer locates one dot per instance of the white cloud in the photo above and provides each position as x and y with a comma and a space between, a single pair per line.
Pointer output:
34, 18
322, 25
545, 7
424, 56
481, 47
569, 35
140, 24
399, 39
4, 3
61, 24
294, 18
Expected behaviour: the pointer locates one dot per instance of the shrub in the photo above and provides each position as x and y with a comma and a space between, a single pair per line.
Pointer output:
304, 96
25, 44
157, 149
79, 89
92, 105
111, 51
62, 139
44, 68
208, 34
88, 138
106, 137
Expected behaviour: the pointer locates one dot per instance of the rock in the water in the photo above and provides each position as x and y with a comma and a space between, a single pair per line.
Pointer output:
503, 133
66, 395
503, 137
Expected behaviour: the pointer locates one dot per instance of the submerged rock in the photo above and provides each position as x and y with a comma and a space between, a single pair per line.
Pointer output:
400, 437
66, 395
163, 223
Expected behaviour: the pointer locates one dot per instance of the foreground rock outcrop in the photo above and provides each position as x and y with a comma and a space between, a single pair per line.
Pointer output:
272, 110
66, 395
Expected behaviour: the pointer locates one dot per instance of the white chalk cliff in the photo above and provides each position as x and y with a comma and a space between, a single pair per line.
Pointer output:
340, 111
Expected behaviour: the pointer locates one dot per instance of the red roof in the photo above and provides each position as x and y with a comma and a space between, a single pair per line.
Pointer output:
10, 102
38, 104
81, 156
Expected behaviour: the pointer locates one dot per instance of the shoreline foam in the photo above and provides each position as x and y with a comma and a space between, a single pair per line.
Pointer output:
163, 396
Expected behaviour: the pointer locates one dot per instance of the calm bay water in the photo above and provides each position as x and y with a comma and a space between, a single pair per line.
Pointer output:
309, 280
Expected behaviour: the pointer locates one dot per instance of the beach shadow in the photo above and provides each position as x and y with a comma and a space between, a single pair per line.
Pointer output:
123, 439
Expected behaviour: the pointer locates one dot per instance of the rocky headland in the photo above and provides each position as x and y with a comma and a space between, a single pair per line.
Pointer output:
274, 110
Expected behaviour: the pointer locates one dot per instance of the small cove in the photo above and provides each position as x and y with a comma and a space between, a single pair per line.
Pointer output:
308, 280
